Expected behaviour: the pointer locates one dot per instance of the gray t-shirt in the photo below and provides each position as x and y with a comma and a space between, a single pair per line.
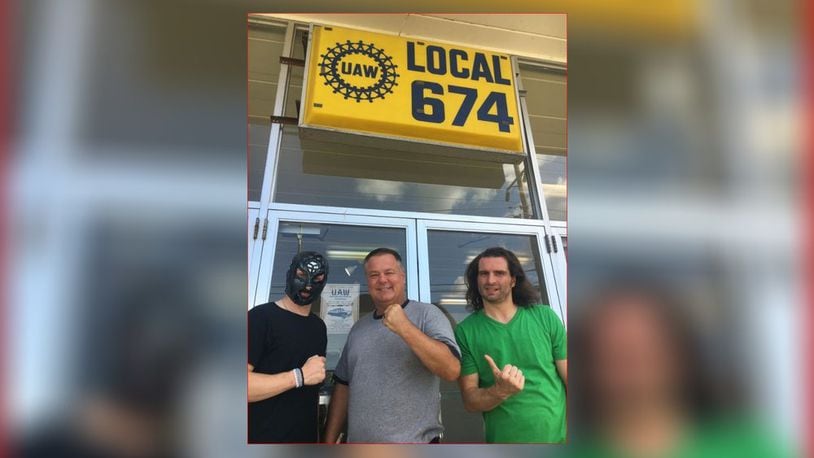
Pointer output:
392, 396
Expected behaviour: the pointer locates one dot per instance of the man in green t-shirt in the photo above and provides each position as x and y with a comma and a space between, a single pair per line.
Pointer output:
523, 400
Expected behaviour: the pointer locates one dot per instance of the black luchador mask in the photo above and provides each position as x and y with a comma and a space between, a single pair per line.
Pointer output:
312, 265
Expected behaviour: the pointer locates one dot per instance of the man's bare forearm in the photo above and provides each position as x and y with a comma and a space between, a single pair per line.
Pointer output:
562, 370
482, 399
337, 413
264, 386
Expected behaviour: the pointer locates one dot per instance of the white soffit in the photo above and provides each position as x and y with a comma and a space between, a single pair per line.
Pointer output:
537, 36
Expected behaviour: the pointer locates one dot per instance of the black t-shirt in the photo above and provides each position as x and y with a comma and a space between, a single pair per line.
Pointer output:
279, 341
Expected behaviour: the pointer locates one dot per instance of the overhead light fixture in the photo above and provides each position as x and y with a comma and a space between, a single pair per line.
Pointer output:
452, 301
352, 255
299, 229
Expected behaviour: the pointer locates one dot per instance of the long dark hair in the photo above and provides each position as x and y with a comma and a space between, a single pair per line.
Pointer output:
524, 294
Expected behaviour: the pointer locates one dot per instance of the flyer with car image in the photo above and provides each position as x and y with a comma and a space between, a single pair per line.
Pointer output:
340, 307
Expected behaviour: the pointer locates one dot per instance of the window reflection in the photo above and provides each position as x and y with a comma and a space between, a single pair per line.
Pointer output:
451, 251
333, 174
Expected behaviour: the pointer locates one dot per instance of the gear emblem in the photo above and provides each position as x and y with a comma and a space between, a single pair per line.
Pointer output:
333, 59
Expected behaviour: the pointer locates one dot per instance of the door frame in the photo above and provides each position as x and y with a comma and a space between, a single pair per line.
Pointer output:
560, 262
254, 242
539, 232
410, 258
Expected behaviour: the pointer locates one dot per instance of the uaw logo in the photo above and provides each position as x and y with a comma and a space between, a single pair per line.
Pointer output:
359, 71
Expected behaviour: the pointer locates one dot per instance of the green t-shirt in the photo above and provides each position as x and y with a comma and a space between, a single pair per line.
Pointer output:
532, 341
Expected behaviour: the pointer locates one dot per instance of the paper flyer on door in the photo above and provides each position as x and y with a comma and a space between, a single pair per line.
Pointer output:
340, 307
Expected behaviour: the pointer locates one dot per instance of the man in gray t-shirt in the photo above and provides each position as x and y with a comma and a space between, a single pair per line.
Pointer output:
387, 380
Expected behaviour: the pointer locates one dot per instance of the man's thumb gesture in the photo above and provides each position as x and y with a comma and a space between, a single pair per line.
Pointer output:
492, 364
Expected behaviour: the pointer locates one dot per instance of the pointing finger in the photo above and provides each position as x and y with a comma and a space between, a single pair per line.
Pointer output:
492, 364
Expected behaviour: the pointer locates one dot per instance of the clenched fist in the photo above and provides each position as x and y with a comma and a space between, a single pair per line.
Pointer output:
508, 381
395, 319
313, 372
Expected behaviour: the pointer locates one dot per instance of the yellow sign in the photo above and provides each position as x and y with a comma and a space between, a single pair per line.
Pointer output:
405, 88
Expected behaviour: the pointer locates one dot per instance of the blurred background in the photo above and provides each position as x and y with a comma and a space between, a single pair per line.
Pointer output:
127, 268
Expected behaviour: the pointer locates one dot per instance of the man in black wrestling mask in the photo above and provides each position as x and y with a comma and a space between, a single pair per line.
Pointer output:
287, 344
306, 277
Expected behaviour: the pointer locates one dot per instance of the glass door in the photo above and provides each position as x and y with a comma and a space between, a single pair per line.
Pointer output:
344, 240
445, 249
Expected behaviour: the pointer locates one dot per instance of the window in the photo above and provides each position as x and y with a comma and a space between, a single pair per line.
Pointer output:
546, 102
265, 48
